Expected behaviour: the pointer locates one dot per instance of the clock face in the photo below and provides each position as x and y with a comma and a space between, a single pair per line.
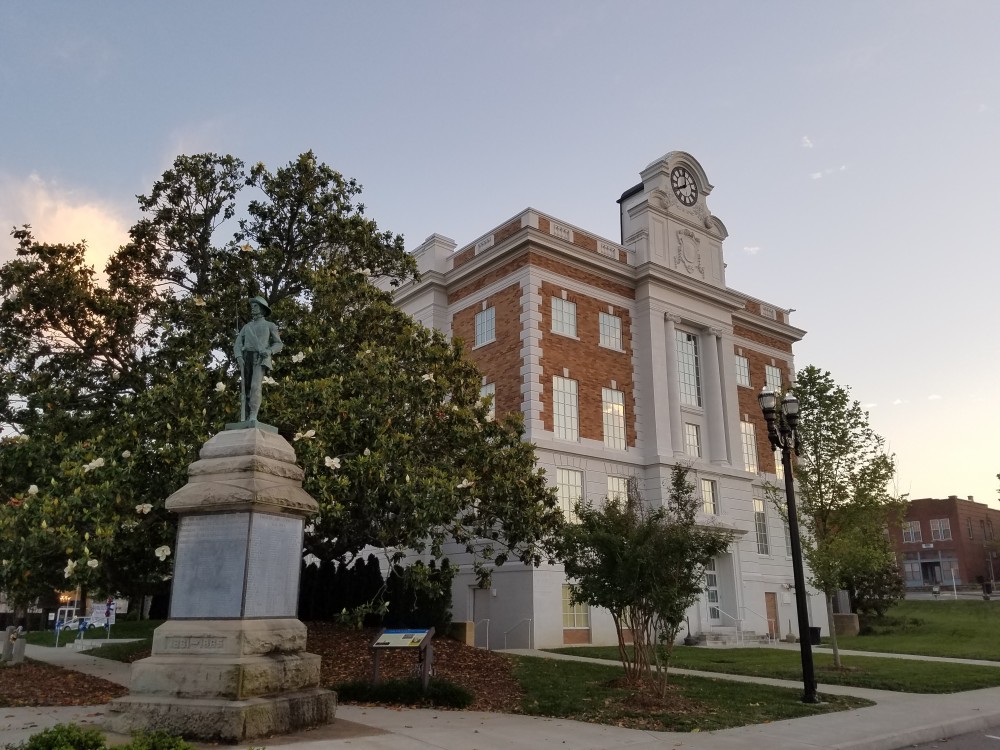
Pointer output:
683, 186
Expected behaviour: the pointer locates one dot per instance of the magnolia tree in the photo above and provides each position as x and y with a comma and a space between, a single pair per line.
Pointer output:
110, 386
646, 566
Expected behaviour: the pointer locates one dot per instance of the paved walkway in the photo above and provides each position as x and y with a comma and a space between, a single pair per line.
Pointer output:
897, 720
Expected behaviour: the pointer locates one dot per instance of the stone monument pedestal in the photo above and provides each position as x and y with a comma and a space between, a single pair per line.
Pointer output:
230, 663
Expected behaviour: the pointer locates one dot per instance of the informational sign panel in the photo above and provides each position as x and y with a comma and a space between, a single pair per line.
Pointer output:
400, 639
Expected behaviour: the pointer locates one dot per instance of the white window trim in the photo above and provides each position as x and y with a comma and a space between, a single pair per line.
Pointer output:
475, 328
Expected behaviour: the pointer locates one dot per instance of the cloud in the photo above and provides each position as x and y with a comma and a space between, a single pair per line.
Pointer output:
806, 142
826, 172
751, 249
815, 175
934, 397
60, 214
899, 401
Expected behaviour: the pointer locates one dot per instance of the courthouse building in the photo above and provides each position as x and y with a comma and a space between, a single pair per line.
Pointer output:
625, 357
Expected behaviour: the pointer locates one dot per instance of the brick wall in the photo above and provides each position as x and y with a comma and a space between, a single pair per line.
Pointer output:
593, 367
500, 361
749, 407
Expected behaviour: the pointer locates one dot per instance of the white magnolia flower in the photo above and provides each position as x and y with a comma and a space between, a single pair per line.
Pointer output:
247, 248
97, 463
33, 489
307, 435
44, 525
367, 452
126, 454
220, 387
143, 508
332, 463
465, 484
407, 477
5, 563
311, 559
296, 358
92, 563
428, 376
268, 380
162, 552
199, 301
70, 567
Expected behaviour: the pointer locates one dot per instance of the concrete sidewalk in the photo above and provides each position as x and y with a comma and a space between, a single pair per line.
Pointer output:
897, 720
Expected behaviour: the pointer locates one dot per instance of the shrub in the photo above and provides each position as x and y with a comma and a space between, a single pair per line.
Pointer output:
440, 693
70, 737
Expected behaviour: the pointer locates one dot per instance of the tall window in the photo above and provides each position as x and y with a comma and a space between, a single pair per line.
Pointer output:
772, 378
748, 438
574, 615
565, 408
708, 500
486, 326
611, 331
692, 440
940, 529
489, 391
779, 467
613, 405
912, 571
760, 524
911, 531
563, 316
989, 530
742, 371
968, 527
688, 368
569, 489
618, 488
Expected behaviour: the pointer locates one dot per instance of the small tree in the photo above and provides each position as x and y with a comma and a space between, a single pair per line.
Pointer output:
646, 566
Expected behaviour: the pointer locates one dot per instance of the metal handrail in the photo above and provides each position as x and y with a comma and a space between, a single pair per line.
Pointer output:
767, 620
475, 625
737, 620
517, 625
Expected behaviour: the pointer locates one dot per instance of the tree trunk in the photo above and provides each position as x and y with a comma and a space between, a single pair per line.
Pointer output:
833, 630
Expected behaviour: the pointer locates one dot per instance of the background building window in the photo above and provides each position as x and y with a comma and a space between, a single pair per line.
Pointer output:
989, 530
911, 570
911, 531
968, 527
611, 331
742, 371
708, 497
748, 438
489, 391
565, 408
486, 326
779, 467
563, 316
569, 488
574, 615
688, 368
760, 523
618, 488
940, 529
613, 406
772, 377
692, 439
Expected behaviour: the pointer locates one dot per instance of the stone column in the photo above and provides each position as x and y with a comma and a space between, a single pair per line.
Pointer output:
230, 663
673, 385
652, 402
714, 415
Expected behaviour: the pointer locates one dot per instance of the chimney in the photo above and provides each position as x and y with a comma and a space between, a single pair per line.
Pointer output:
972, 499
953, 497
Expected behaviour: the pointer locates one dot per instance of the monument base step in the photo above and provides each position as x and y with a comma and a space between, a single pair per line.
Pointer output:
221, 720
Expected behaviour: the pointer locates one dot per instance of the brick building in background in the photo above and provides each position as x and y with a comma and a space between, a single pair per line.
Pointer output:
948, 540
625, 359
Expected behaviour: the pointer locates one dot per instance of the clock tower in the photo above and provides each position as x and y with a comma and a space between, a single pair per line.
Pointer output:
665, 220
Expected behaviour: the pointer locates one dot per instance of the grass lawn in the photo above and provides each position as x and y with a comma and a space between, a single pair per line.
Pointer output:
963, 628
901, 675
121, 629
592, 692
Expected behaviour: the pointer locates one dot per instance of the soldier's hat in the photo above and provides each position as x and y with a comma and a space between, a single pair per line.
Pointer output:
263, 303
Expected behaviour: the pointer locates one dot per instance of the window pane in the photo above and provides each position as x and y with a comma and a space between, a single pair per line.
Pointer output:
569, 489
486, 326
748, 436
563, 316
565, 408
617, 488
489, 391
779, 467
692, 440
611, 331
772, 377
760, 524
742, 371
613, 405
574, 615
709, 504
688, 368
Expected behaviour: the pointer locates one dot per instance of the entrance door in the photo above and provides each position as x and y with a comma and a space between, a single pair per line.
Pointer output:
481, 616
931, 572
712, 594
771, 610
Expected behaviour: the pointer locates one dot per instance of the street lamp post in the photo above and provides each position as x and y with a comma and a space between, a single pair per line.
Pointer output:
783, 437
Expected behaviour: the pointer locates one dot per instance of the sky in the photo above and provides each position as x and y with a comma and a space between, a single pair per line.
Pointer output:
854, 148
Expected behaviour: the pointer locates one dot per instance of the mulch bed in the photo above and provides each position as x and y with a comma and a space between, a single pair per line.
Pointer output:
346, 656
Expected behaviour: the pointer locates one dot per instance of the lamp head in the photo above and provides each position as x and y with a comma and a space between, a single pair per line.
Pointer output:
768, 401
